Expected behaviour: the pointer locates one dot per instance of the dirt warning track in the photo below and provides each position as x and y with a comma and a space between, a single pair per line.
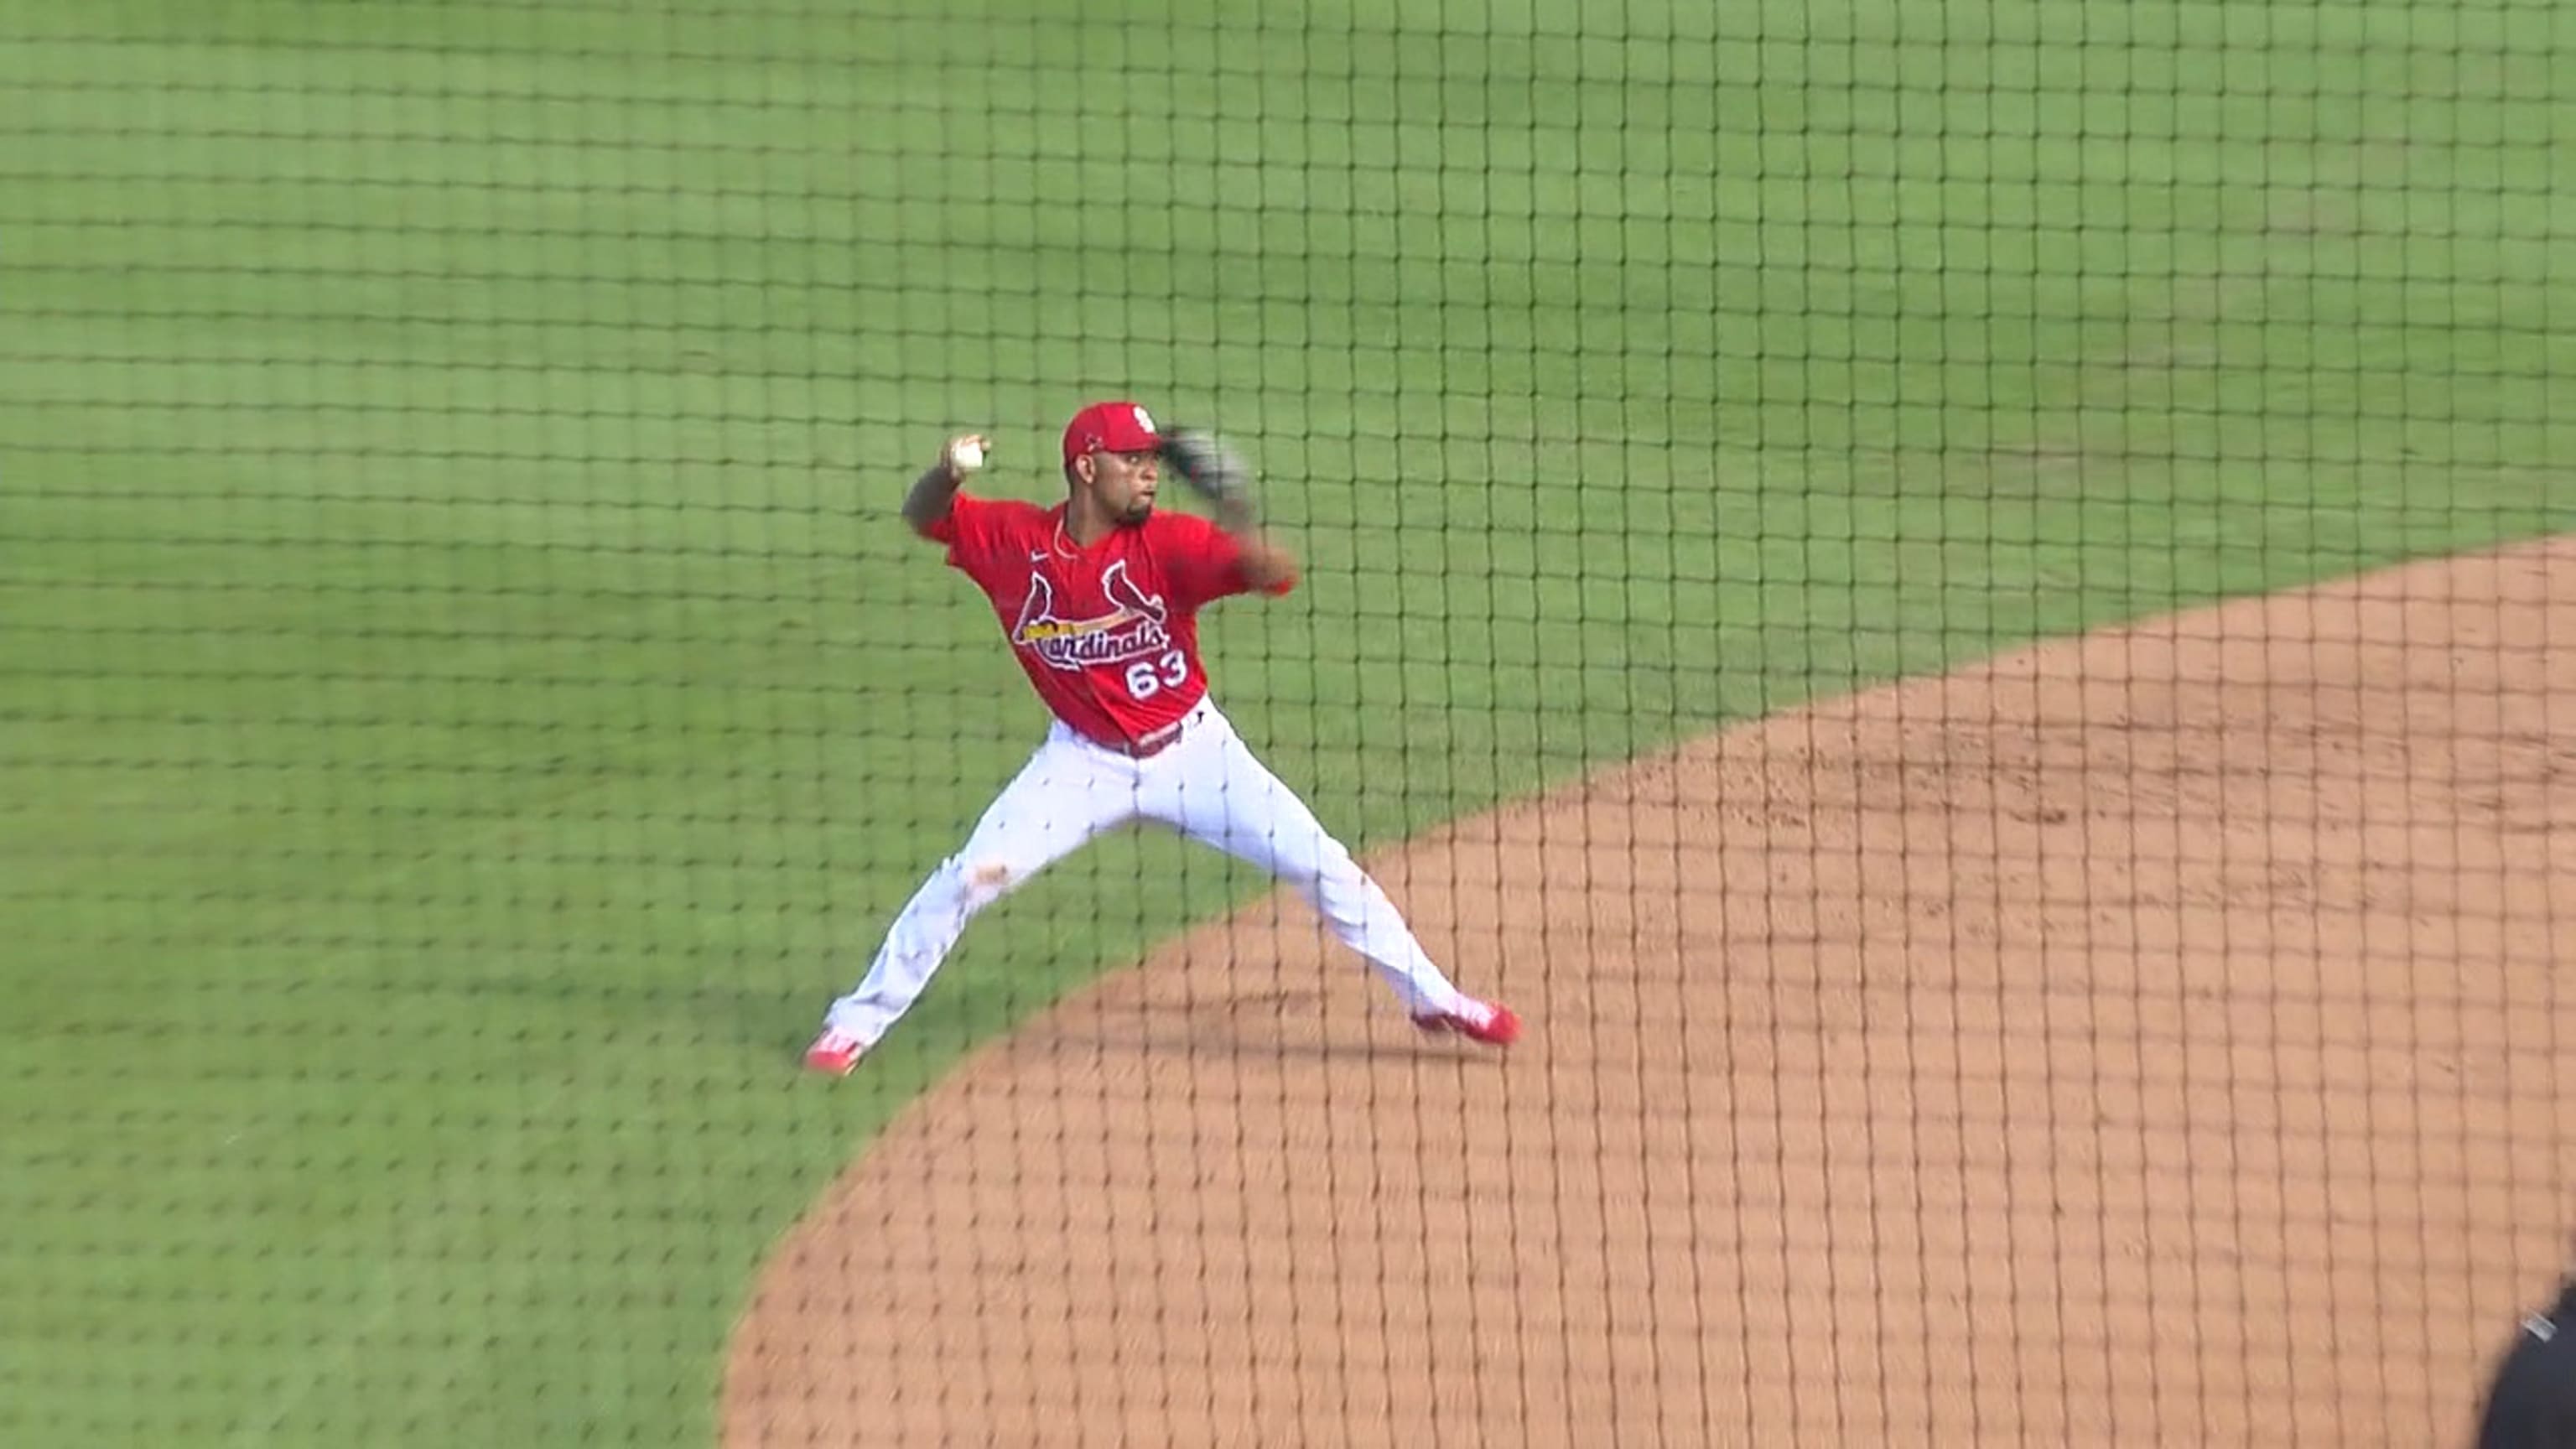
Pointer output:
2146, 1038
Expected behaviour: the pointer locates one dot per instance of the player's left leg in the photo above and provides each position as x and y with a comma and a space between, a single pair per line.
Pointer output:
1211, 788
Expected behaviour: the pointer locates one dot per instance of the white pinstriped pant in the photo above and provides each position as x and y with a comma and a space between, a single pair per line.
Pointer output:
1208, 786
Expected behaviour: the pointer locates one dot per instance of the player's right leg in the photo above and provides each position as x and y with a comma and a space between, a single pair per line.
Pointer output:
1061, 798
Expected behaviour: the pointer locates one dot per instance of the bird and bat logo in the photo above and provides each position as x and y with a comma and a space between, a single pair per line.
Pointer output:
1134, 626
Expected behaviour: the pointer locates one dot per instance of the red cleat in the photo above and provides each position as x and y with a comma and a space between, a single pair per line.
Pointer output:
1498, 1028
834, 1053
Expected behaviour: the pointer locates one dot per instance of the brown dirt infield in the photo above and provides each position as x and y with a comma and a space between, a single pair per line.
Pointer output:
2148, 1038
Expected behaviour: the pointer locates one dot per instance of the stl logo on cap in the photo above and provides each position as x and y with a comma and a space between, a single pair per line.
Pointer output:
1111, 427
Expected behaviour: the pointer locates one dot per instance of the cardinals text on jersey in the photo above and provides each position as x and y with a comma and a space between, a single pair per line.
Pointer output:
1135, 626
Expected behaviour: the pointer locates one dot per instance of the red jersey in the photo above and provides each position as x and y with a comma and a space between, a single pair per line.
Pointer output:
1109, 634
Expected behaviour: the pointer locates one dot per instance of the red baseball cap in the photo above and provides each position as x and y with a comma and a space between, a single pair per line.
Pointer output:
1111, 427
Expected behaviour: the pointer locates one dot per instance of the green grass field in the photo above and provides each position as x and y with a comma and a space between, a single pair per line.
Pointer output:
465, 701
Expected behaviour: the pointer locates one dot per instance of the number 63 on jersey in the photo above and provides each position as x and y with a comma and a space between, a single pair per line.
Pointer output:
1149, 677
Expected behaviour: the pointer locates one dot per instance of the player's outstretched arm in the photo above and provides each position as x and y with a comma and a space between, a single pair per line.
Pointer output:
1213, 471
936, 489
1266, 564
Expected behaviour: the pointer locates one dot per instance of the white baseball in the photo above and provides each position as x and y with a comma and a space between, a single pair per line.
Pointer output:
968, 456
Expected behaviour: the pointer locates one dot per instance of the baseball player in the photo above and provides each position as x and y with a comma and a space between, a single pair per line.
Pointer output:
1099, 597
2531, 1395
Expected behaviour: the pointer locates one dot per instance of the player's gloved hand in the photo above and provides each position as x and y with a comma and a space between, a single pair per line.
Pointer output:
1209, 467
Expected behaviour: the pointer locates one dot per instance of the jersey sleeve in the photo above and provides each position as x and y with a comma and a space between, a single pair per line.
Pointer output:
1202, 563
974, 529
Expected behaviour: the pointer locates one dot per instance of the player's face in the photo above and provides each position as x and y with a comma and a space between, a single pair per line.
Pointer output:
1124, 484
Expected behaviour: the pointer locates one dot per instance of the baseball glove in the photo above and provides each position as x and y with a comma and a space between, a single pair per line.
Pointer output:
1209, 467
